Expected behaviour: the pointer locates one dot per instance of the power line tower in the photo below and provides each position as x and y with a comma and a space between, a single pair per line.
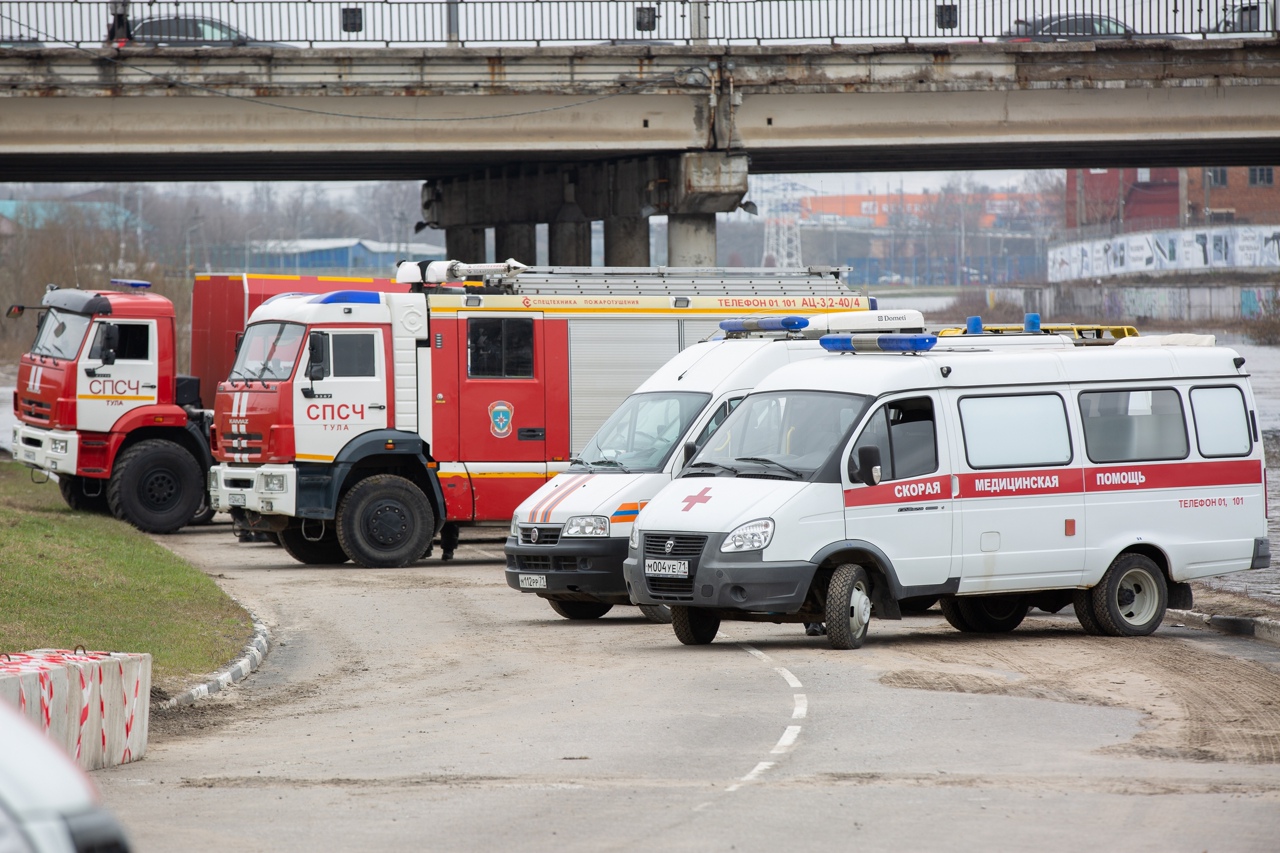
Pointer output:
781, 224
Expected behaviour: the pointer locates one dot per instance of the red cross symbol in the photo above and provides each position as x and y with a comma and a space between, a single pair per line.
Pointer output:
700, 498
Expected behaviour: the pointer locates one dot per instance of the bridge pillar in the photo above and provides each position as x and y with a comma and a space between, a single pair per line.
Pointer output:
515, 241
691, 240
626, 241
464, 243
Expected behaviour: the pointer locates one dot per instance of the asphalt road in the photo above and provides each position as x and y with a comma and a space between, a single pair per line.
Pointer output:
433, 708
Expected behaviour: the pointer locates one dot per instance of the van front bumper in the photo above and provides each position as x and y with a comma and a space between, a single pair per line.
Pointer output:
582, 568
265, 489
742, 582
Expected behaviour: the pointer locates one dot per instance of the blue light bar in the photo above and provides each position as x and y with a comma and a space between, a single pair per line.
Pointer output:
764, 324
1031, 323
358, 297
973, 326
872, 303
894, 342
129, 282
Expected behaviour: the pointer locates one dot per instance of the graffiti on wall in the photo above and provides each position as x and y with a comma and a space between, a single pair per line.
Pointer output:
1189, 249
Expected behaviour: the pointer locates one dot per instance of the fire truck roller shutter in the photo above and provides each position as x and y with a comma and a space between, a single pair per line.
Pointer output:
608, 360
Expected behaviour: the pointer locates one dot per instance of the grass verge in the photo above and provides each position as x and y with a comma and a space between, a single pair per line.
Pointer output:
75, 578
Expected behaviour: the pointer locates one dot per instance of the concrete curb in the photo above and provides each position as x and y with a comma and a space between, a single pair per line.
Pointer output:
1259, 627
253, 656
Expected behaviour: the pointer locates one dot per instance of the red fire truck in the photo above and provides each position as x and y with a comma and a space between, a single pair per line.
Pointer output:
356, 424
101, 405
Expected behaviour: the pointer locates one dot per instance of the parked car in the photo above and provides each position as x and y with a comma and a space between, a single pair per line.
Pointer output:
19, 41
47, 803
1072, 27
191, 32
1246, 18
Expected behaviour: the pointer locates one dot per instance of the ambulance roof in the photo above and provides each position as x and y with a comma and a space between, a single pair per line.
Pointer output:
883, 373
724, 365
307, 308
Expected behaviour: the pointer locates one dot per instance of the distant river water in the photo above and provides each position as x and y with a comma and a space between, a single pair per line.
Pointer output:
1263, 364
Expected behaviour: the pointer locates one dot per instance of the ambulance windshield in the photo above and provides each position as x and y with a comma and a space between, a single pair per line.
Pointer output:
60, 334
641, 434
268, 352
785, 435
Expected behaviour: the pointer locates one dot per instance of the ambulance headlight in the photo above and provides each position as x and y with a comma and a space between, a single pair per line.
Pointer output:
57, 445
274, 483
587, 525
633, 541
752, 536
515, 525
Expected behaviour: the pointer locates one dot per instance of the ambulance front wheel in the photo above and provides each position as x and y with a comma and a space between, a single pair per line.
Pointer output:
848, 608
1131, 598
658, 614
385, 522
694, 626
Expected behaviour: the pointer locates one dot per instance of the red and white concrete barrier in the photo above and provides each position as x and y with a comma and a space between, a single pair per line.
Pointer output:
94, 704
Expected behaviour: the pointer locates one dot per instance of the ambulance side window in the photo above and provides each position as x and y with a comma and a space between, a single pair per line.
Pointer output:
905, 433
353, 354
135, 342
1133, 426
721, 413
1222, 423
500, 348
1016, 431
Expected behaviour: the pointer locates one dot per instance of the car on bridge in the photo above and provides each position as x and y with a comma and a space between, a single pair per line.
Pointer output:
1073, 26
181, 31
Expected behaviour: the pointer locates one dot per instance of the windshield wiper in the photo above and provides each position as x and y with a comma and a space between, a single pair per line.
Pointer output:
574, 460
722, 466
613, 463
773, 462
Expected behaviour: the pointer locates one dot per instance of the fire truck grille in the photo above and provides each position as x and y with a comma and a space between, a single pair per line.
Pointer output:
546, 535
682, 548
36, 410
243, 443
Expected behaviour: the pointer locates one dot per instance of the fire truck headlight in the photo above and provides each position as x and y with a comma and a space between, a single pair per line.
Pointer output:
587, 525
752, 536
57, 445
515, 526
633, 541
275, 483
213, 479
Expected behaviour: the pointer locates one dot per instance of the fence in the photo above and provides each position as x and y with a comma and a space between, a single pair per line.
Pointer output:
537, 22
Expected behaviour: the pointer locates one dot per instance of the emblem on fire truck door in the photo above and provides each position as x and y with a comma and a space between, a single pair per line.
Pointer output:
500, 415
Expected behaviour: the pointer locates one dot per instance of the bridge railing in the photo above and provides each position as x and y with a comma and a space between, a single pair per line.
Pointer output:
435, 23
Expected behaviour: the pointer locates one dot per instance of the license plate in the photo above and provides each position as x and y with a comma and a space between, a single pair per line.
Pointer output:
235, 500
533, 581
667, 568
29, 454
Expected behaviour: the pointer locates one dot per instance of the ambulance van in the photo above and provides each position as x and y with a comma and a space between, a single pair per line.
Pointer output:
568, 539
996, 478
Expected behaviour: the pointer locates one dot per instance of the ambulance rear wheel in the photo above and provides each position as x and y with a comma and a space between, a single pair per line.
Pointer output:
658, 614
385, 522
156, 486
578, 610
694, 626
848, 608
994, 614
1082, 603
324, 551
951, 612
1131, 598
73, 492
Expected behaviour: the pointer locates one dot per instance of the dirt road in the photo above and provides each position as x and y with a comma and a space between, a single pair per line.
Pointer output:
434, 708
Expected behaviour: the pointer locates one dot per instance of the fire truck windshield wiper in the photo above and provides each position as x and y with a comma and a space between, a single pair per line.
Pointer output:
728, 468
762, 460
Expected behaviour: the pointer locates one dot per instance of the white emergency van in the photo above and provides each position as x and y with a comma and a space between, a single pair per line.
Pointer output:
998, 478
568, 539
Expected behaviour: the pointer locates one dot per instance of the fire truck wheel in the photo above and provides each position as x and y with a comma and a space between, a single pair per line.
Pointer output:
155, 486
385, 522
994, 614
1131, 598
658, 614
1082, 601
951, 612
848, 607
694, 626
579, 609
326, 551
204, 513
72, 489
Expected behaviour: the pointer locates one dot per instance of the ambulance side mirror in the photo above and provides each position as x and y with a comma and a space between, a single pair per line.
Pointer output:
690, 448
318, 355
110, 342
867, 470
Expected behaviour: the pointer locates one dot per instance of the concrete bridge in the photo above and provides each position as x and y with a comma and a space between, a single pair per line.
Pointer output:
511, 137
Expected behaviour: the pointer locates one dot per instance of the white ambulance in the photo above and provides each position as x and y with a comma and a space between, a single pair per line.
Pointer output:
998, 479
568, 539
